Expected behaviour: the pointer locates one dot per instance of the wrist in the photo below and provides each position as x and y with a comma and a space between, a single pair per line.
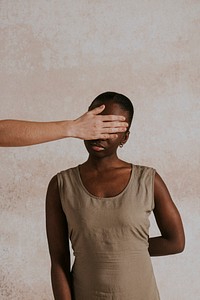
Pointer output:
68, 128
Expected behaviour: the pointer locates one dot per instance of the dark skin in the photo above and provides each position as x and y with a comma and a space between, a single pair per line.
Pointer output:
105, 175
57, 235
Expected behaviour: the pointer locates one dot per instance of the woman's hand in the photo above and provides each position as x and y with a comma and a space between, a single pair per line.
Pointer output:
92, 125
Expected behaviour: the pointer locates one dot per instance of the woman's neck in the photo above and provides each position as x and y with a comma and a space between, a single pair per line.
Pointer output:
101, 164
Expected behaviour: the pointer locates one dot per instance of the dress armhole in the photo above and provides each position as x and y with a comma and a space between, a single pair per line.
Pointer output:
153, 180
60, 187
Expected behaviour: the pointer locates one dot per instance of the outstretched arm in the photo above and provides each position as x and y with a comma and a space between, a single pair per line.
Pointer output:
57, 235
172, 239
91, 125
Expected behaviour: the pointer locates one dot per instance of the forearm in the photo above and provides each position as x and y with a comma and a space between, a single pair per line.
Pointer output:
90, 126
60, 283
14, 133
159, 246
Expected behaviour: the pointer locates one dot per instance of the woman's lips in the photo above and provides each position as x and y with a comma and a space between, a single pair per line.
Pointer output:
97, 147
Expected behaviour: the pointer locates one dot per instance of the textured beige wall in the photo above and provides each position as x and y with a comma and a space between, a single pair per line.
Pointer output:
56, 56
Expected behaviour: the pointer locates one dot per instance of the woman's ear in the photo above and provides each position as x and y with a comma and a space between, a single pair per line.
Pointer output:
125, 138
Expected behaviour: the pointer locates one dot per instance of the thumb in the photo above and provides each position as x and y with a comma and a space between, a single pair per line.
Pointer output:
98, 110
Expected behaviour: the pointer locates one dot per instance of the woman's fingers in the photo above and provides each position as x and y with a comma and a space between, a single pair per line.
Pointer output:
105, 136
106, 118
92, 125
97, 110
108, 123
114, 126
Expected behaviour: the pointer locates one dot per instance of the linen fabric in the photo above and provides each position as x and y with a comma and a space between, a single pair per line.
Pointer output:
109, 237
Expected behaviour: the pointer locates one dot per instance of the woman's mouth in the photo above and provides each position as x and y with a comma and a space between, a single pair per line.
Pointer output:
97, 146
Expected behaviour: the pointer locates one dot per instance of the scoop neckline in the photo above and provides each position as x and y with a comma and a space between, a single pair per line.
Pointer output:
105, 198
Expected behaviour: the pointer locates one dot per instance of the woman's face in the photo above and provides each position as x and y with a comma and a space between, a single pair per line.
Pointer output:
102, 148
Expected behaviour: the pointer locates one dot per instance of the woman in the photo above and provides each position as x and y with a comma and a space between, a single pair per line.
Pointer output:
103, 206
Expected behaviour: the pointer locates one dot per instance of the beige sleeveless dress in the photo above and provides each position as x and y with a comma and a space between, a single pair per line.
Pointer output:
109, 238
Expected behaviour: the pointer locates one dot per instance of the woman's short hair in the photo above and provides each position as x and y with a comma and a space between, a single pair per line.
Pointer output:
124, 102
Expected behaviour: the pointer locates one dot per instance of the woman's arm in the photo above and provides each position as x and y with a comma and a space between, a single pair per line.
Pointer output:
172, 239
91, 125
57, 235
